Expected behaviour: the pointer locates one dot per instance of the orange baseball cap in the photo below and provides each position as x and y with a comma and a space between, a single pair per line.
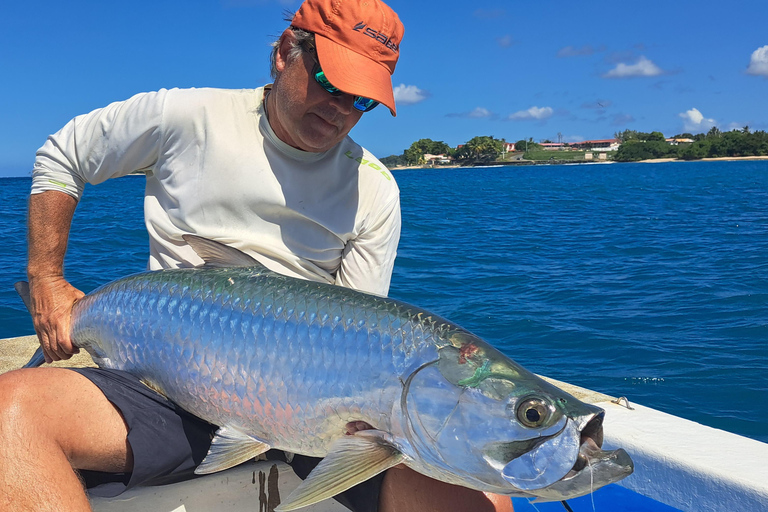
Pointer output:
358, 43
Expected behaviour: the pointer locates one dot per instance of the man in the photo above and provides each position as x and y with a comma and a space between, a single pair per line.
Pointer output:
270, 171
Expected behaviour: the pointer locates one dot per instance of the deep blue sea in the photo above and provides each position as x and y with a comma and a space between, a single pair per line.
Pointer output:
642, 280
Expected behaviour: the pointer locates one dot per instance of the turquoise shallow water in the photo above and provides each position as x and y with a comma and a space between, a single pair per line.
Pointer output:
646, 281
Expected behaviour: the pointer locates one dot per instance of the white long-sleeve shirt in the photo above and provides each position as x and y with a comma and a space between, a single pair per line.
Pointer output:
216, 169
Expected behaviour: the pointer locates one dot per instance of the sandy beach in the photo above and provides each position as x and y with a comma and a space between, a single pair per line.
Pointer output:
649, 161
718, 159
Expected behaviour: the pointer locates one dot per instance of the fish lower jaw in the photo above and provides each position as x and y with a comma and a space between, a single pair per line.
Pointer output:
593, 469
588, 452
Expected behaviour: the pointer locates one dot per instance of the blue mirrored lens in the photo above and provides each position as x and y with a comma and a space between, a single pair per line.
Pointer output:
362, 104
365, 104
321, 79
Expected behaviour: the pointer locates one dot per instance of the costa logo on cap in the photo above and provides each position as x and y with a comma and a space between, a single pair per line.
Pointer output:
378, 36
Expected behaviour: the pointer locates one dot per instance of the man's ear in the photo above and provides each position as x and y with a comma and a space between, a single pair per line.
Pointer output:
287, 39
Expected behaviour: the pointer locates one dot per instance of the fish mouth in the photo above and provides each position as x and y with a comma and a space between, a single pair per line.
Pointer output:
594, 467
567, 464
591, 443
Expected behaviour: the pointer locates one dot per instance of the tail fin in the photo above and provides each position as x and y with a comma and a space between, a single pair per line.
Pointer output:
36, 360
22, 288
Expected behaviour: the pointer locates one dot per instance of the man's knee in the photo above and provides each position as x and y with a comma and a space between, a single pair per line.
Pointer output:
32, 457
54, 408
17, 408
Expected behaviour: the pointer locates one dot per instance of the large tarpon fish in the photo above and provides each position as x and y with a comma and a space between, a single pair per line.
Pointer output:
285, 363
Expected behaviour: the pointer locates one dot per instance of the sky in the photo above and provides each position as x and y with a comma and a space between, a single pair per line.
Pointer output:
550, 69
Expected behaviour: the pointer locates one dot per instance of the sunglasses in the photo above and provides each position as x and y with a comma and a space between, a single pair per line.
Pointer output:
362, 104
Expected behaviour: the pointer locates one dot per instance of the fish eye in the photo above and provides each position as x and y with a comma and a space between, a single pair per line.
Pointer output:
533, 412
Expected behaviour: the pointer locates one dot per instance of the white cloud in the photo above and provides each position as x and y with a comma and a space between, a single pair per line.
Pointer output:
477, 113
409, 94
693, 120
758, 64
480, 112
505, 41
532, 113
643, 67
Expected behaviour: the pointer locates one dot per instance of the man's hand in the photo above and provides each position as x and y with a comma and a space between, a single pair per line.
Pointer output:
52, 299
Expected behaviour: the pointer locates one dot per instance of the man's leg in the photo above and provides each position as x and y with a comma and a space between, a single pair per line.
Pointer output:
51, 421
405, 490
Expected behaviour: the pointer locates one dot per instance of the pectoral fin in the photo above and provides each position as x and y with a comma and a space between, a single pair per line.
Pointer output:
229, 448
351, 460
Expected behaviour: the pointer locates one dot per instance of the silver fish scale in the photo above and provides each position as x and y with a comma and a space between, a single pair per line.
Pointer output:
286, 360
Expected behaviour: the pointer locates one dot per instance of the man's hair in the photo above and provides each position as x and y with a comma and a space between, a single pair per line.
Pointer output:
304, 42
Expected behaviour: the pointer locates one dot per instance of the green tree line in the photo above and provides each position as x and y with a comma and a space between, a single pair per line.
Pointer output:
736, 143
635, 146
480, 149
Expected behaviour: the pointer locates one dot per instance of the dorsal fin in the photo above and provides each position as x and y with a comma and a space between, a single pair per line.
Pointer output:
216, 254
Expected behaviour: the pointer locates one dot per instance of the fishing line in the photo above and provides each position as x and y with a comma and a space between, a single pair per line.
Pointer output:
591, 490
531, 503
591, 485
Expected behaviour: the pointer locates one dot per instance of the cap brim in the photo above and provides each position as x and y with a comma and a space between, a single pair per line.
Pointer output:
355, 74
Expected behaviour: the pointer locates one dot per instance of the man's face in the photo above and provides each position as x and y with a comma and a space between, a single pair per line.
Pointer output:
304, 115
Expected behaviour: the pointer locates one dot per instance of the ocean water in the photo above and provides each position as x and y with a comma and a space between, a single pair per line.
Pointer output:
648, 281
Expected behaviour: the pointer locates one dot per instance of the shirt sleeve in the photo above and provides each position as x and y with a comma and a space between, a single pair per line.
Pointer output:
368, 259
113, 141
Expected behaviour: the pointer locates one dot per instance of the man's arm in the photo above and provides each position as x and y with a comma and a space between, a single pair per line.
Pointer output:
106, 143
368, 260
50, 216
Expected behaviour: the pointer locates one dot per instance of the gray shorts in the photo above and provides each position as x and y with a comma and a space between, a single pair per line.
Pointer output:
168, 443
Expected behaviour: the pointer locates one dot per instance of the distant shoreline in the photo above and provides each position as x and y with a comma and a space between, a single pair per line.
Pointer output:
541, 162
717, 159
547, 162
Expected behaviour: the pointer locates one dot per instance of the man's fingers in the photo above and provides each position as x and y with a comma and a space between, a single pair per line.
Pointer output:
56, 344
45, 344
50, 348
63, 345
